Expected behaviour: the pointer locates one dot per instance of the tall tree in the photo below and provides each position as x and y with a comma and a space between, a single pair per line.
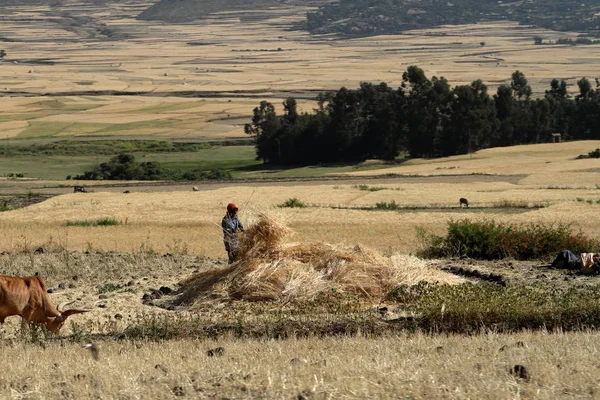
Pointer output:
472, 123
520, 86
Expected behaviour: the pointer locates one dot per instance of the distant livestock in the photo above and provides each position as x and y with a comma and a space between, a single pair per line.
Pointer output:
464, 201
79, 189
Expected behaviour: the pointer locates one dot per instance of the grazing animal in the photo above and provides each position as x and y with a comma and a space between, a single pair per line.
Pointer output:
79, 189
28, 298
464, 201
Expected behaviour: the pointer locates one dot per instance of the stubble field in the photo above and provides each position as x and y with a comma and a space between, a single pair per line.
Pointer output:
56, 84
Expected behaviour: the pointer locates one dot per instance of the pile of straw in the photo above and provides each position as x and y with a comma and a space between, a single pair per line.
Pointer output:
269, 270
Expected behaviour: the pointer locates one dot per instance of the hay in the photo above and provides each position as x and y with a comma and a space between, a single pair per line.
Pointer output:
269, 270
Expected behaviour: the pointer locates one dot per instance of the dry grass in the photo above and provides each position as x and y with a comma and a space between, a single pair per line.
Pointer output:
175, 217
267, 270
561, 366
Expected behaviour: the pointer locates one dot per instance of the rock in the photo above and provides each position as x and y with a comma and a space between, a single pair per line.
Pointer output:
439, 349
304, 395
296, 361
165, 290
162, 368
51, 290
40, 250
520, 371
102, 297
130, 283
178, 391
118, 316
102, 305
217, 351
62, 285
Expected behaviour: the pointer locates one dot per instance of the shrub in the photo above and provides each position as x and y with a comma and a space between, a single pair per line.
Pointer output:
109, 287
370, 188
387, 206
99, 222
486, 239
292, 203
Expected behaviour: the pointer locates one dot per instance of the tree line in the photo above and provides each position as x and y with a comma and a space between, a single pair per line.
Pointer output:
423, 117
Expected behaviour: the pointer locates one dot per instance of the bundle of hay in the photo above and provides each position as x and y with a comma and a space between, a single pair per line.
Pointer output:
268, 270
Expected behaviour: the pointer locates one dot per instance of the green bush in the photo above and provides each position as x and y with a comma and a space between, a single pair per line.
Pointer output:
292, 203
387, 206
486, 239
125, 167
98, 222
368, 188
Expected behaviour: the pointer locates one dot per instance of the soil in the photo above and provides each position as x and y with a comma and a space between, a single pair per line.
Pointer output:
517, 273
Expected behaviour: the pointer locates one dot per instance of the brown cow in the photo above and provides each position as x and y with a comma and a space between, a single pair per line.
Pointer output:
28, 298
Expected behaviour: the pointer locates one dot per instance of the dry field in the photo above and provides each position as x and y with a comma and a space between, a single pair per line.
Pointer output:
163, 218
240, 60
561, 366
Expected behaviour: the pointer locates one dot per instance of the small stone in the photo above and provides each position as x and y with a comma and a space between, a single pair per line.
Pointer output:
102, 297
165, 290
217, 351
62, 285
162, 368
520, 371
118, 316
51, 290
178, 391
296, 361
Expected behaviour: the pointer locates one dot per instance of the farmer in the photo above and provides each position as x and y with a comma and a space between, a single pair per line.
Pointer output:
231, 224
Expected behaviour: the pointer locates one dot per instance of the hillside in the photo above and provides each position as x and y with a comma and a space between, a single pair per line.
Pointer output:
365, 18
189, 10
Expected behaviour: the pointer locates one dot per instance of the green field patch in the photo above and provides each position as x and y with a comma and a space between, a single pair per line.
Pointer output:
112, 129
44, 129
18, 117
90, 98
47, 167
81, 107
85, 83
171, 107
77, 128
223, 157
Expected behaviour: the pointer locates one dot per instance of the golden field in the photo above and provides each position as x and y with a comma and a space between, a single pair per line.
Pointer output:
168, 233
561, 366
242, 61
544, 175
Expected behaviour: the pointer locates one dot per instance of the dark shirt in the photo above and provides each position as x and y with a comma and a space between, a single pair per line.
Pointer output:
230, 226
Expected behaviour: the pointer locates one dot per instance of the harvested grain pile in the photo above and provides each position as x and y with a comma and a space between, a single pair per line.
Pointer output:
270, 270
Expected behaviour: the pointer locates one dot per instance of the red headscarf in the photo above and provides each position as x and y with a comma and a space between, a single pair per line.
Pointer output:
231, 207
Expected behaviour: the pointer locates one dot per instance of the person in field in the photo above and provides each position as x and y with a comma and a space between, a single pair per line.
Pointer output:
231, 225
